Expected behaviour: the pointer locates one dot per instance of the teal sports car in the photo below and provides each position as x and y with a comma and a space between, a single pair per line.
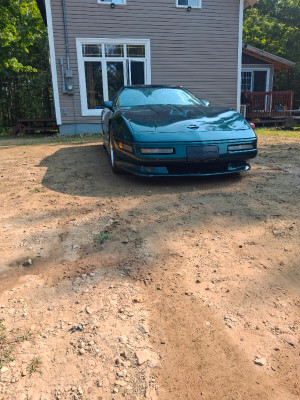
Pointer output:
152, 130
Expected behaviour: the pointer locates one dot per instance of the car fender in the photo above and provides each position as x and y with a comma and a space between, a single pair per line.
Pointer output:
121, 128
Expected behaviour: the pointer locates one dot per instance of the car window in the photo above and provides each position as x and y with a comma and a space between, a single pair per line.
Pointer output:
131, 97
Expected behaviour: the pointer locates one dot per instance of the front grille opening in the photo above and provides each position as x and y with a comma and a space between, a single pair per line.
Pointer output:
199, 168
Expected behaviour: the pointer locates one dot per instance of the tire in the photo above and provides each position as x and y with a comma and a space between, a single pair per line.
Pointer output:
114, 167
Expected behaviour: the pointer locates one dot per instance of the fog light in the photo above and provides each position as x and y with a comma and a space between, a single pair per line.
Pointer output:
166, 150
241, 147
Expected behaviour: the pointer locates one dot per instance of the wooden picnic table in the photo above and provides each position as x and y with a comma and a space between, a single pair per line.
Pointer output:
34, 124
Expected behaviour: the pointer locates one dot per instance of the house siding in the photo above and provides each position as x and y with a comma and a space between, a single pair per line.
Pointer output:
197, 49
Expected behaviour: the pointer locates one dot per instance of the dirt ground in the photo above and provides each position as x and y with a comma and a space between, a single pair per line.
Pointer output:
113, 286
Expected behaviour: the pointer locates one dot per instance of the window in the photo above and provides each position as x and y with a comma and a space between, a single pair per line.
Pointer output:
105, 65
189, 3
247, 81
111, 1
255, 80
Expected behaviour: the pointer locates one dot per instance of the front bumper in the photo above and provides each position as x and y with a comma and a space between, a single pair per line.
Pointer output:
177, 164
185, 169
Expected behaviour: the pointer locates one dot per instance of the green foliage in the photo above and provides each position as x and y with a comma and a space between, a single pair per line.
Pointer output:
25, 82
102, 237
8, 341
20, 28
274, 26
35, 365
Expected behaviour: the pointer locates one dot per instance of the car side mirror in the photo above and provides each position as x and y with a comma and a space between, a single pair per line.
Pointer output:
108, 104
206, 103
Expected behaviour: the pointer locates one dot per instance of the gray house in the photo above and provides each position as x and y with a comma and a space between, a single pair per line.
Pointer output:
96, 46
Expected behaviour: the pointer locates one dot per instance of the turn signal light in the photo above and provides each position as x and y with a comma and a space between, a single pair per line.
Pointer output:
124, 146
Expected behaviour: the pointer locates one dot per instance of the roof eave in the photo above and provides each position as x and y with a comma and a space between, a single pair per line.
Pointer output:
280, 63
249, 3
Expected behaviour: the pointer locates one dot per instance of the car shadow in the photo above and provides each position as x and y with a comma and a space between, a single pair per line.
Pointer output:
85, 170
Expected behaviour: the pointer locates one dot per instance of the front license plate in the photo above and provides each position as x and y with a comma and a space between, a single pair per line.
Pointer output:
200, 153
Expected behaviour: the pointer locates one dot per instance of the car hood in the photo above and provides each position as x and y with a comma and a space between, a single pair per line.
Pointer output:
183, 119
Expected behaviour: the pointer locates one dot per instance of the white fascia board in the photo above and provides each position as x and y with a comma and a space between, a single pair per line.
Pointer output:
53, 62
240, 50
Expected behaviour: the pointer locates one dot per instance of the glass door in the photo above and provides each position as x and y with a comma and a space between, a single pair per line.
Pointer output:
137, 72
115, 76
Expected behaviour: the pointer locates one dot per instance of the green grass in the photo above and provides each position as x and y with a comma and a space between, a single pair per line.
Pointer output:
36, 140
102, 237
278, 132
37, 190
35, 365
8, 341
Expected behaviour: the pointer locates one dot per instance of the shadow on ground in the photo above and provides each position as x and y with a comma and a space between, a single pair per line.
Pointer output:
85, 171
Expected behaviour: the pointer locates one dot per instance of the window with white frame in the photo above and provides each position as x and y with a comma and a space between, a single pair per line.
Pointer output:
106, 65
255, 79
247, 80
111, 1
189, 3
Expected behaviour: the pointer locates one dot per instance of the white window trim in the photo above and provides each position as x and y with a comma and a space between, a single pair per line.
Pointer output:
199, 6
112, 1
85, 112
252, 70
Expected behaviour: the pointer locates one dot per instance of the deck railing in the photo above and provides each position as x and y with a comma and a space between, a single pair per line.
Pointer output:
266, 104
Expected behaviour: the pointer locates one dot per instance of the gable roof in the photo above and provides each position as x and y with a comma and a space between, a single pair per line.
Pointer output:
279, 63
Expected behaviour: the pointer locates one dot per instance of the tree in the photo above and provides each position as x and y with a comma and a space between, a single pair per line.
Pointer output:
24, 62
274, 26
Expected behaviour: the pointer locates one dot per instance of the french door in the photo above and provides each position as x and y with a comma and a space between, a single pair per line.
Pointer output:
122, 73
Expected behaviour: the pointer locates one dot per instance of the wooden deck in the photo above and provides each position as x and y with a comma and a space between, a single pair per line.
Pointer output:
267, 105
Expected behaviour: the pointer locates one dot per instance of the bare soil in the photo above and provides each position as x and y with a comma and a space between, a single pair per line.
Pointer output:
170, 289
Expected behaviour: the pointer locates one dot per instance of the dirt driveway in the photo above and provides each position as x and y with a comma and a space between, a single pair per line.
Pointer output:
119, 287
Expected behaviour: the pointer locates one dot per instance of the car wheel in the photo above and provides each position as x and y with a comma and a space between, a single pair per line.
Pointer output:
114, 167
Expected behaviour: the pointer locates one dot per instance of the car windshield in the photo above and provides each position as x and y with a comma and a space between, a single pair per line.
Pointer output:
130, 97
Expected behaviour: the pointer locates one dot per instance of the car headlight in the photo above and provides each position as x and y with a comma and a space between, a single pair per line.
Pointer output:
240, 147
157, 150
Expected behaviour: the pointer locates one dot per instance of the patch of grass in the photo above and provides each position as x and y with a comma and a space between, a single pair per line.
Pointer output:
35, 366
8, 341
36, 140
278, 132
6, 349
37, 190
102, 237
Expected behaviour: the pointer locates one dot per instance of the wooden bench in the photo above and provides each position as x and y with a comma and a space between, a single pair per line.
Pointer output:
33, 125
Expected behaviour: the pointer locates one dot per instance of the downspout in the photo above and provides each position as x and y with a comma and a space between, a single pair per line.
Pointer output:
240, 49
68, 86
66, 33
